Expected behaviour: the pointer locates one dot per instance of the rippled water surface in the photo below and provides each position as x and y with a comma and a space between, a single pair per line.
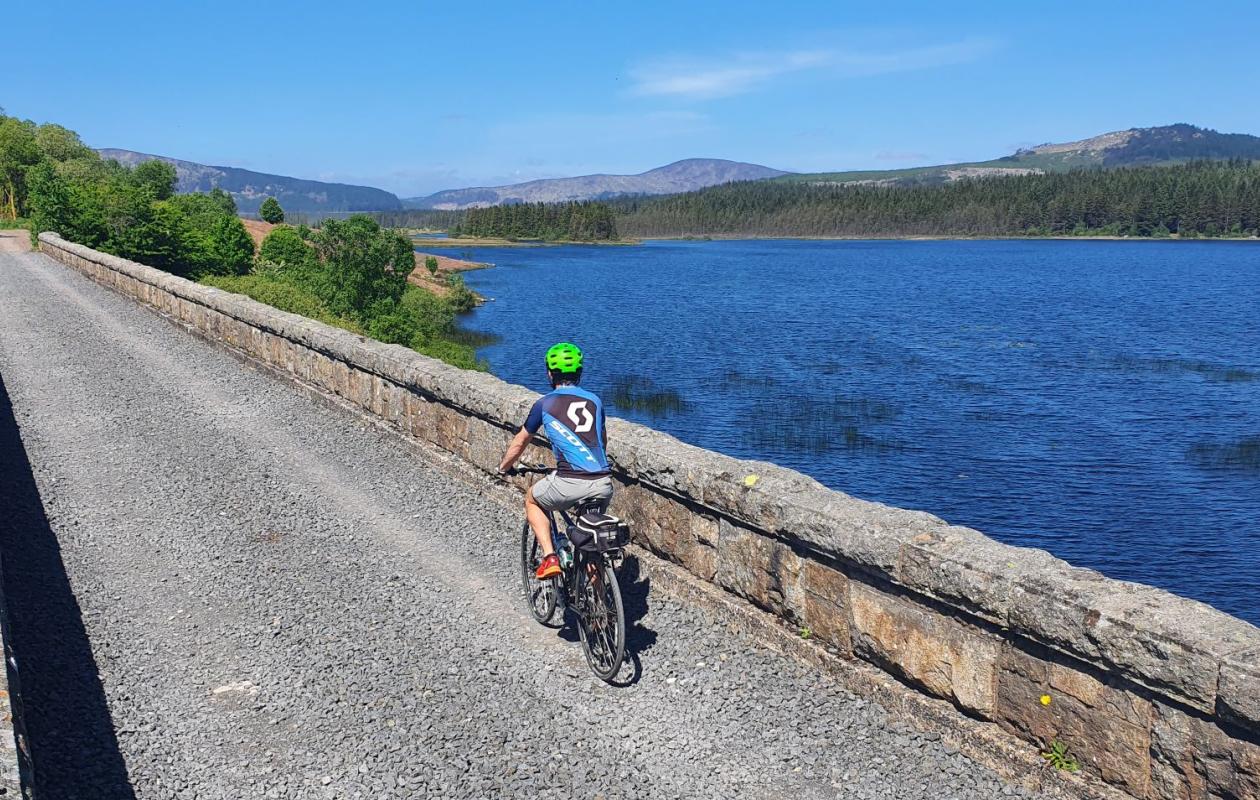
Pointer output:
1097, 399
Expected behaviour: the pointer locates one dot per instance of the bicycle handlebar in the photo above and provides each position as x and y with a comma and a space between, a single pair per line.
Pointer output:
534, 469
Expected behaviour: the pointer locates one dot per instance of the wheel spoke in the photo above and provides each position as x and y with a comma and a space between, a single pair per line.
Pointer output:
539, 595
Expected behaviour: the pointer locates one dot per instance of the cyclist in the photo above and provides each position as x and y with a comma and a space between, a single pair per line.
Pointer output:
573, 420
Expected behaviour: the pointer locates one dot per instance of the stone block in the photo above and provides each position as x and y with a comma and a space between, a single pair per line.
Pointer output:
701, 559
669, 528
395, 404
275, 351
1106, 728
451, 429
758, 568
945, 657
258, 343
423, 419
1238, 693
360, 385
664, 524
485, 444
825, 604
1194, 759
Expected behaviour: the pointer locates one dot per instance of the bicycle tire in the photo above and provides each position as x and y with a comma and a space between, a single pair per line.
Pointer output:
602, 623
540, 596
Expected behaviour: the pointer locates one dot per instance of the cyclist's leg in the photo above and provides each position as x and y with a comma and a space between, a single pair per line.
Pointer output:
539, 521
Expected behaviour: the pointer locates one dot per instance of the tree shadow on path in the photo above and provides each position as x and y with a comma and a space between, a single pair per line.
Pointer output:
73, 744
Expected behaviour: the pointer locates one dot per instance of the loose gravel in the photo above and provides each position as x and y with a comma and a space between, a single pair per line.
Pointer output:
224, 589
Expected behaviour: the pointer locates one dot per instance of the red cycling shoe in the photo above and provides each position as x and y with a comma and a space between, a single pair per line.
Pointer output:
549, 568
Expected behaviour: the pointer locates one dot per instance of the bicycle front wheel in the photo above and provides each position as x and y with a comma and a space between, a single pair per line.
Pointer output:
540, 596
602, 623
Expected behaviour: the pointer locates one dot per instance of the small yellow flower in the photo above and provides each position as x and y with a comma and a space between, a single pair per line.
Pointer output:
1045, 699
751, 480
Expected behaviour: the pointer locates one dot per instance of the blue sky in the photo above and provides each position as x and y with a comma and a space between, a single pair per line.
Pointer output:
418, 96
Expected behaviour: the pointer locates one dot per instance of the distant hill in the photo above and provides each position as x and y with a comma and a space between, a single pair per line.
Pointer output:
681, 176
250, 188
1167, 144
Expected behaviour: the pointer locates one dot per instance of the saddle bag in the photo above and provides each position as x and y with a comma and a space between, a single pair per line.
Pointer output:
596, 532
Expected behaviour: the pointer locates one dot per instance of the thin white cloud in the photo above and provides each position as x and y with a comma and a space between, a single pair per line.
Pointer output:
689, 78
745, 72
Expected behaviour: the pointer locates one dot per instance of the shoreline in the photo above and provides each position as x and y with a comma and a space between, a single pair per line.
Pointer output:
639, 240
942, 238
434, 284
426, 241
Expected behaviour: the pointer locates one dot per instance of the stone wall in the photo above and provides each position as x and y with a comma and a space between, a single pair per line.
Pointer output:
1156, 695
16, 775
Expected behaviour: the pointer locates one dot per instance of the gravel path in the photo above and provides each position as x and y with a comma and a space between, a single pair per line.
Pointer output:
223, 589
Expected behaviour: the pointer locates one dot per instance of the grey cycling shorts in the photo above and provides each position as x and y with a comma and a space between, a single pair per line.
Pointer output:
555, 493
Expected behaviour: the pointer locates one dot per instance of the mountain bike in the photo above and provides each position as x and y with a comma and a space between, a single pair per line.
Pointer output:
593, 543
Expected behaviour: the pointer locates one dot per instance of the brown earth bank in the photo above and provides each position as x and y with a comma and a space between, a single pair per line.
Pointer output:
258, 230
437, 283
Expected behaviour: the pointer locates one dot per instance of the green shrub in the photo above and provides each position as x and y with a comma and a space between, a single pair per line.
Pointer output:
461, 298
270, 211
285, 247
394, 327
360, 264
434, 315
283, 295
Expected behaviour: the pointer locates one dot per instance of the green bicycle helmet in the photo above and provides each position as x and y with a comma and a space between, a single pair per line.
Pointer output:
564, 357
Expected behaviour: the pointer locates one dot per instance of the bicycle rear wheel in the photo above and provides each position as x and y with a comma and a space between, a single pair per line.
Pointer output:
602, 623
540, 596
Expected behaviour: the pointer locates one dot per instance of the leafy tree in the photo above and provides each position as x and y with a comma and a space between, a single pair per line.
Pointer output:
363, 268
431, 264
49, 203
157, 177
231, 247
19, 151
202, 209
222, 200
270, 211
62, 144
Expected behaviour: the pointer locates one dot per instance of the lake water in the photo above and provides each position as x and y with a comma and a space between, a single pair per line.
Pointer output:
1097, 399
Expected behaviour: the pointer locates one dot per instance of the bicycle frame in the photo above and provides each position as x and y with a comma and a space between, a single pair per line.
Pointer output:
568, 585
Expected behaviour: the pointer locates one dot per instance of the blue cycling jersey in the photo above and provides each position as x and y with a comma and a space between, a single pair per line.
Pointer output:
573, 420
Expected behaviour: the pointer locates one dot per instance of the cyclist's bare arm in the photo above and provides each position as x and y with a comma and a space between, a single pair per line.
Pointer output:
514, 450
